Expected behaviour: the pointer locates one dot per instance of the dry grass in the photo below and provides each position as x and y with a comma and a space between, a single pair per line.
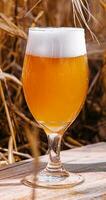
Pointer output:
15, 18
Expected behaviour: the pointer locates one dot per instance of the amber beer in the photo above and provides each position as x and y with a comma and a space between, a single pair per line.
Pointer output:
55, 80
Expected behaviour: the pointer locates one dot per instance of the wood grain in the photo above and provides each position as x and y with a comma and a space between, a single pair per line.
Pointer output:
89, 160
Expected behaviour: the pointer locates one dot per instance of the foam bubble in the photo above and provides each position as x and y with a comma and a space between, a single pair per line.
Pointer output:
56, 42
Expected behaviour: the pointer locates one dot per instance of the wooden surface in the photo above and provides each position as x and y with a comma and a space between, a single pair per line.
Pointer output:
90, 161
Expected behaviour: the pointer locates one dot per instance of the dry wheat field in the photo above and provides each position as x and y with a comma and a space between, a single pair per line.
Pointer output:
16, 121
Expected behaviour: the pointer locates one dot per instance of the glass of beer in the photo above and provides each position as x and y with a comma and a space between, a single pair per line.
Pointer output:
55, 82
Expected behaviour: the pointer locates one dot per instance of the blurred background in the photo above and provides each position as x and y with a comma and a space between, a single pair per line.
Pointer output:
16, 16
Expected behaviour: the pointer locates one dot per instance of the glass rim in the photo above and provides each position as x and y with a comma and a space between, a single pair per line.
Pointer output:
44, 29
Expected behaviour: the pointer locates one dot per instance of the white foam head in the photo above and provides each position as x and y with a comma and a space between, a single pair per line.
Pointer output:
56, 42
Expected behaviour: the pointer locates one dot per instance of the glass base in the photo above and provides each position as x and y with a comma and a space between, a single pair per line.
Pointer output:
53, 180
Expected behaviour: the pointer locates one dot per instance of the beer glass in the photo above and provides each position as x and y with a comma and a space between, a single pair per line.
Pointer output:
55, 81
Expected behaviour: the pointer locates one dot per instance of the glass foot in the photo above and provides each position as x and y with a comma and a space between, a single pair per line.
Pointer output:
48, 180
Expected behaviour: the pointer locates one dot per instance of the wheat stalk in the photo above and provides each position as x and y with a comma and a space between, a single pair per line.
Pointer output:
7, 25
8, 115
7, 76
29, 11
11, 158
78, 7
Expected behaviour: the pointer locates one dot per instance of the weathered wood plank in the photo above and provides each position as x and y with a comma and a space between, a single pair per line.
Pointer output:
89, 160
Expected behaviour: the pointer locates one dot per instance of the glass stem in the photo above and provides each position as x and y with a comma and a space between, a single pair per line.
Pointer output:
54, 144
